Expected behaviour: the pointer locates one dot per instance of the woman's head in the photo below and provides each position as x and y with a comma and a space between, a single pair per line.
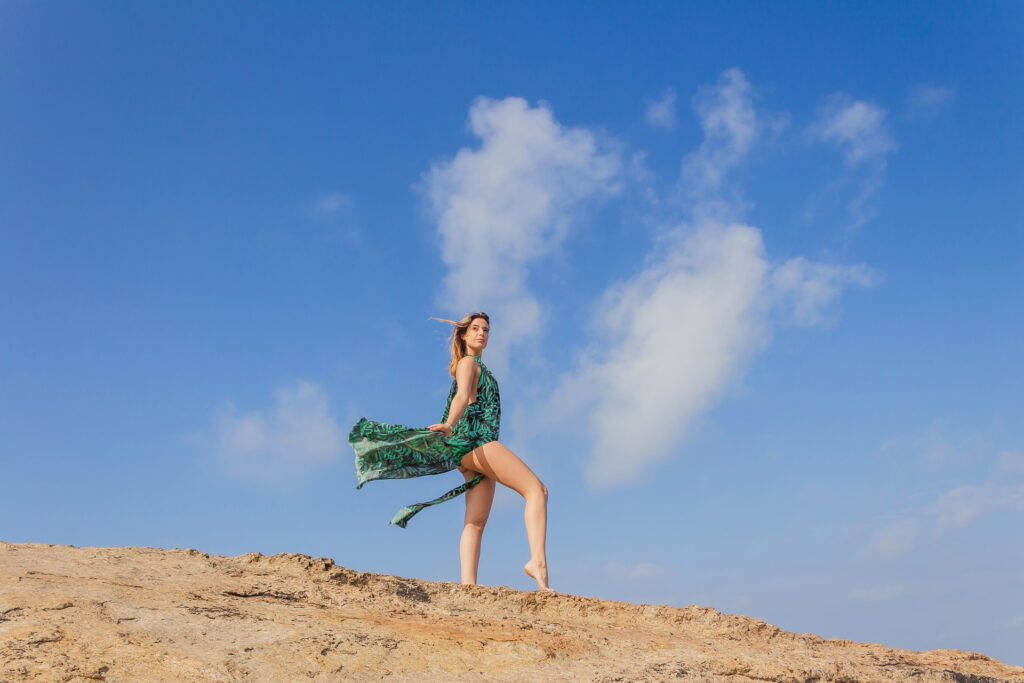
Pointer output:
469, 337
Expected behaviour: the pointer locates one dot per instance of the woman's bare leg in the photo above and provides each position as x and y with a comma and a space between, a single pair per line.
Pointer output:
478, 507
499, 463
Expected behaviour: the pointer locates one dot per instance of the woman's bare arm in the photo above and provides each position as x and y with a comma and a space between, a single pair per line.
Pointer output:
465, 376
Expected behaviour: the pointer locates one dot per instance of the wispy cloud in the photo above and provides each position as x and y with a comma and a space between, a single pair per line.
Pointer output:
505, 205
860, 130
329, 217
668, 341
927, 100
1000, 491
731, 127
281, 444
1011, 462
938, 446
803, 289
965, 505
896, 538
857, 127
330, 203
661, 113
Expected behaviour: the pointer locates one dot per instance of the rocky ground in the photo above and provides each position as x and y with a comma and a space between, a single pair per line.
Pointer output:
148, 614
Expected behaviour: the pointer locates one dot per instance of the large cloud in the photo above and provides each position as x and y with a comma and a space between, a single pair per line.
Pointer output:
674, 335
669, 340
502, 206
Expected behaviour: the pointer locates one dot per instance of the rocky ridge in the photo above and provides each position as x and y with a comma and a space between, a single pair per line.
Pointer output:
140, 614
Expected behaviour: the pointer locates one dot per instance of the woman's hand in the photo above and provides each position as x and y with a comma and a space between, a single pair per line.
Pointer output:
442, 427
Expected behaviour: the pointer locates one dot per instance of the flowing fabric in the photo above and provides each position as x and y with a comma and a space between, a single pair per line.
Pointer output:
394, 451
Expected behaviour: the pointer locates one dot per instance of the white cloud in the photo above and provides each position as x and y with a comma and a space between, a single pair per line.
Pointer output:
859, 129
860, 207
928, 100
662, 113
803, 289
331, 202
965, 505
1011, 462
961, 506
953, 508
849, 193
855, 126
282, 443
503, 206
668, 341
731, 128
939, 447
675, 335
330, 217
896, 538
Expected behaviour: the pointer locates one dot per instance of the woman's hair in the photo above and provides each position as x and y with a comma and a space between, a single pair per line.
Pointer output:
458, 343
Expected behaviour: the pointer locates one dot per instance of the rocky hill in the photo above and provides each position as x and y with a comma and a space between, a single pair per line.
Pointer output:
148, 614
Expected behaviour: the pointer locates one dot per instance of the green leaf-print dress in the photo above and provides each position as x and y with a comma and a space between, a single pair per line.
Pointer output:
394, 451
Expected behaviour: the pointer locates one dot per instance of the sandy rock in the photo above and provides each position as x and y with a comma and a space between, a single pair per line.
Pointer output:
149, 614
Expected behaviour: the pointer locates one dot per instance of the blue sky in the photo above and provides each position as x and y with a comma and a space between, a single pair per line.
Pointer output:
753, 269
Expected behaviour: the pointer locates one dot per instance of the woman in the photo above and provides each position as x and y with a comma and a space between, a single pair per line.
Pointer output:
466, 439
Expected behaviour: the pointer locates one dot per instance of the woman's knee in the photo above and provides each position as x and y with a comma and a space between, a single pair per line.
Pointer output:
537, 487
476, 524
476, 519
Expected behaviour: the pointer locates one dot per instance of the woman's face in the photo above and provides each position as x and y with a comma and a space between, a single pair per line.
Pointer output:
476, 335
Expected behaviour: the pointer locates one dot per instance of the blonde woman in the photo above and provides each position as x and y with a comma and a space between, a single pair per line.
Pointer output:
466, 439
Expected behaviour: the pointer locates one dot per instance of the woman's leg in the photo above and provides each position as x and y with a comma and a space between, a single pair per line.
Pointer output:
499, 463
478, 507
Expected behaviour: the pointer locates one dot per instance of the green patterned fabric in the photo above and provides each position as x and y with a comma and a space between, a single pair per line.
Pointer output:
394, 451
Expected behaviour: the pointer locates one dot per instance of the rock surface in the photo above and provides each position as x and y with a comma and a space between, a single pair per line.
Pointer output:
142, 614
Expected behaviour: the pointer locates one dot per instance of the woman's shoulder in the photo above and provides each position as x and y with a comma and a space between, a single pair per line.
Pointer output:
466, 364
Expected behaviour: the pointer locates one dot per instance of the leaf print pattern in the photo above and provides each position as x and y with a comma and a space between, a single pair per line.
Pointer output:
395, 451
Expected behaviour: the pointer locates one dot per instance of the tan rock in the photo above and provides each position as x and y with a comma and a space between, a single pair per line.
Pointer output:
148, 614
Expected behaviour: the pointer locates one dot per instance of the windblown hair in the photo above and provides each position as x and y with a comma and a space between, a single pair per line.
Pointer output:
458, 343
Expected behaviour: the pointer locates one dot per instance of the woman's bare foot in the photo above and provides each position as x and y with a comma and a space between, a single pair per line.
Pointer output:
538, 571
